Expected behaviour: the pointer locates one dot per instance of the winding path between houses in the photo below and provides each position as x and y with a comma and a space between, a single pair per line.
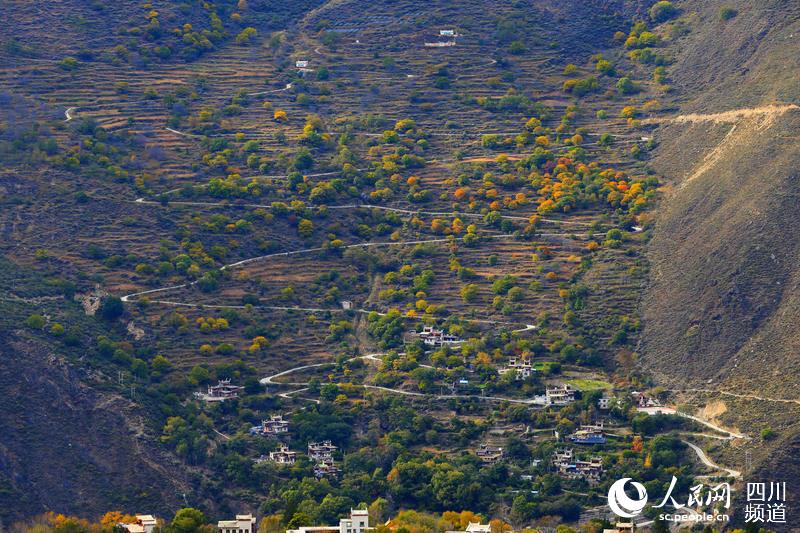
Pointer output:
270, 380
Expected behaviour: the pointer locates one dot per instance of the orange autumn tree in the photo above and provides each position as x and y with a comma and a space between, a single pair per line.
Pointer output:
498, 526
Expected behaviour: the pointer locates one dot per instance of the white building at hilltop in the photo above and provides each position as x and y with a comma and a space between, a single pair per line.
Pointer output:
358, 522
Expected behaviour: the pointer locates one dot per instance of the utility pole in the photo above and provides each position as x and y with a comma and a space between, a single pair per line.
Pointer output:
748, 461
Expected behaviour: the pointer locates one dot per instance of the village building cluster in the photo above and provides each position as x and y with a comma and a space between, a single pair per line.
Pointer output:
589, 434
320, 453
437, 338
642, 400
356, 522
276, 425
522, 368
568, 465
490, 454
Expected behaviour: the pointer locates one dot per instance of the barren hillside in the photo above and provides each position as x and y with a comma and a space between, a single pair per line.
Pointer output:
722, 305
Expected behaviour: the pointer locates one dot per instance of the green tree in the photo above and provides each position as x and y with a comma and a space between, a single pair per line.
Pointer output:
188, 520
160, 364
111, 308
199, 375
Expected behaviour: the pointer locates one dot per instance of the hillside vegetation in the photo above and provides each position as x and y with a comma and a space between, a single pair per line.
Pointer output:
290, 195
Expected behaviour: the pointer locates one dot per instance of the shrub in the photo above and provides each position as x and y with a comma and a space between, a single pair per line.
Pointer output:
604, 66
662, 11
68, 63
516, 48
35, 322
660, 75
626, 86
246, 35
606, 139
469, 293
727, 13
581, 87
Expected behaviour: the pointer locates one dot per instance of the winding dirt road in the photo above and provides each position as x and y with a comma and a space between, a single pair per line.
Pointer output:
711, 464
270, 380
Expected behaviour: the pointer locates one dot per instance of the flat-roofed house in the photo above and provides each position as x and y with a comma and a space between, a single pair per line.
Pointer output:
522, 367
220, 392
559, 395
276, 425
437, 337
283, 455
145, 523
244, 523
357, 522
489, 454
320, 451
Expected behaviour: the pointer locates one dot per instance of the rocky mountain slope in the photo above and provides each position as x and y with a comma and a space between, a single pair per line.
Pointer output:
721, 311
71, 447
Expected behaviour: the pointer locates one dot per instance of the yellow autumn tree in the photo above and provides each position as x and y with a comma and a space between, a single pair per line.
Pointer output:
113, 518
